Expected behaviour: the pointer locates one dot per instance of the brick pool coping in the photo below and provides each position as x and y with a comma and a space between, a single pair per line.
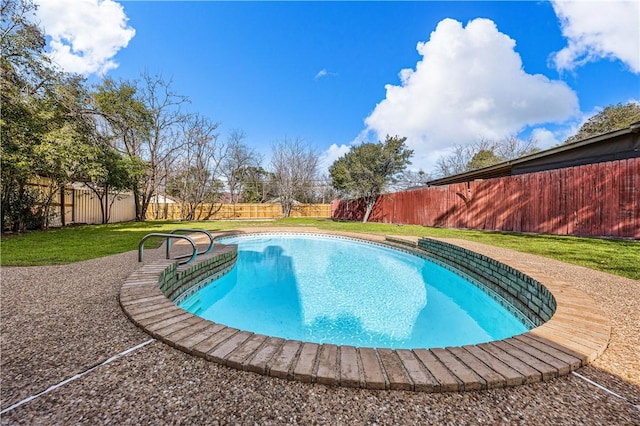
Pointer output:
577, 333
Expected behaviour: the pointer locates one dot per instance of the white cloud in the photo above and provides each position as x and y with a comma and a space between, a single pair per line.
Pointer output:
332, 154
599, 29
321, 73
470, 84
324, 73
85, 35
545, 138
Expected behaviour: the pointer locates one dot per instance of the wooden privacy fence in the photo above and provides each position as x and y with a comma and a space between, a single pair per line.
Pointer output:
592, 200
79, 206
238, 211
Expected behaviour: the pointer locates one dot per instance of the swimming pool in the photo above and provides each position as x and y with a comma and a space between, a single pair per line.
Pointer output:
326, 289
554, 346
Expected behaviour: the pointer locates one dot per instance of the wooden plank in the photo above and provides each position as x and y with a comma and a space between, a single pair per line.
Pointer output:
570, 200
543, 207
626, 187
583, 183
518, 214
512, 208
607, 209
620, 182
590, 201
558, 202
602, 196
563, 219
526, 205
583, 178
635, 199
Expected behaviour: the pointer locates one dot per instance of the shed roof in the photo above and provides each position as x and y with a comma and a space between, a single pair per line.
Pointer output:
615, 145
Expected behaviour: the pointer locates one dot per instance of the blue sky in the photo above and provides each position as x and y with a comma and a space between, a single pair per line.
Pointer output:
331, 73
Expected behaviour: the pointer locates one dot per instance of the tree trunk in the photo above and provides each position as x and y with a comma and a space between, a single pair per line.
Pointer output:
136, 198
104, 206
286, 209
368, 212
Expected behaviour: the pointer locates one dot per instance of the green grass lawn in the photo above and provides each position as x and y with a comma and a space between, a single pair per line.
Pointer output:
72, 244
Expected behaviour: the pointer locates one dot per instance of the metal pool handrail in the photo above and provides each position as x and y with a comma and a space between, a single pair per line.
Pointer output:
168, 237
207, 233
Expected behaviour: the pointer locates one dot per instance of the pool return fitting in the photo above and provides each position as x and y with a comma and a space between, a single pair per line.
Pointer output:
172, 235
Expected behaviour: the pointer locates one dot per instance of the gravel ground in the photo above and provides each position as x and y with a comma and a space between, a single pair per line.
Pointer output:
58, 321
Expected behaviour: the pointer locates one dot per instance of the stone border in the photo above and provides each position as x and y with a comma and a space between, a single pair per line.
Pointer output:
577, 333
526, 298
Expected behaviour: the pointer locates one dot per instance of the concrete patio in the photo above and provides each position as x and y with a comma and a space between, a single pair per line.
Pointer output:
59, 321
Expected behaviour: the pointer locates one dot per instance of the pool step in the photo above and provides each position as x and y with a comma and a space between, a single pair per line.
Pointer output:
195, 307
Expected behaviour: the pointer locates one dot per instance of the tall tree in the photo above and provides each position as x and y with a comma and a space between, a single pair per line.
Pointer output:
125, 124
239, 158
24, 69
165, 108
44, 131
114, 174
294, 166
144, 119
256, 184
126, 119
409, 179
367, 169
194, 179
455, 162
483, 158
512, 147
613, 117
483, 153
324, 190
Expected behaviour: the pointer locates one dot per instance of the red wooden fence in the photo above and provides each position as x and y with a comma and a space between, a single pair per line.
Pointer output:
593, 200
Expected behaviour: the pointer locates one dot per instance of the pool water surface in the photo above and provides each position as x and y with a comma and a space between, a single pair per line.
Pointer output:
337, 290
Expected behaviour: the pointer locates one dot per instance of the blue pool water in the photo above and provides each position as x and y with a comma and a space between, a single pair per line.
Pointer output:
334, 290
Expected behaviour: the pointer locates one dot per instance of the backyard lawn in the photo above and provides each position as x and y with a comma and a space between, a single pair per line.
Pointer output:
72, 244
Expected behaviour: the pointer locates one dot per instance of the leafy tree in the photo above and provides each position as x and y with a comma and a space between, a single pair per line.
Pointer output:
613, 117
125, 125
143, 120
23, 70
483, 158
68, 148
256, 184
367, 169
116, 173
294, 166
126, 119
44, 130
